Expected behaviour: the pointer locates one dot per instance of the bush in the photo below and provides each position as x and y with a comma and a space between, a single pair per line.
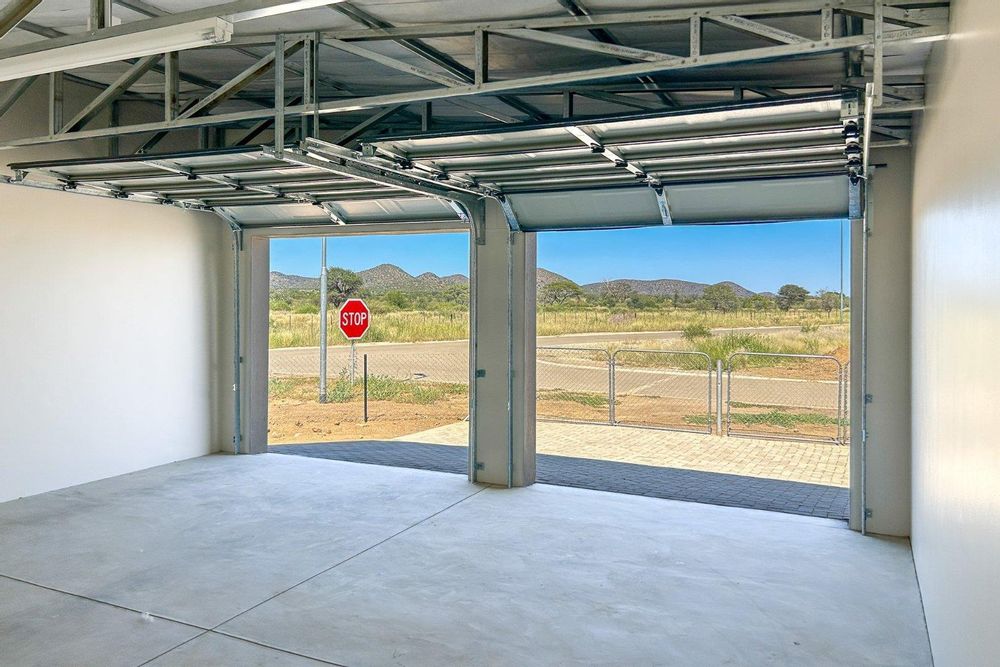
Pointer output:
809, 328
694, 331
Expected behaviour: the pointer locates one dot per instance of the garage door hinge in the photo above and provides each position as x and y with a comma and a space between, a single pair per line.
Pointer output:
480, 372
869, 398
868, 513
479, 466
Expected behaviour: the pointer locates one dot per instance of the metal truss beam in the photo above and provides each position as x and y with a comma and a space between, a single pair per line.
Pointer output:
445, 62
759, 29
484, 86
14, 94
238, 82
14, 12
111, 93
613, 50
601, 20
363, 126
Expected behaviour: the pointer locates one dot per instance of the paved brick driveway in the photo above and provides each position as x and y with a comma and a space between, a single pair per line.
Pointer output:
799, 478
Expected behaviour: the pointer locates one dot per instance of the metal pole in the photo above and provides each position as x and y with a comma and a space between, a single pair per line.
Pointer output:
366, 387
353, 363
611, 389
323, 316
841, 270
718, 396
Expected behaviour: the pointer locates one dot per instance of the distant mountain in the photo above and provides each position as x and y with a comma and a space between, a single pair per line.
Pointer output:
665, 287
285, 281
543, 277
386, 277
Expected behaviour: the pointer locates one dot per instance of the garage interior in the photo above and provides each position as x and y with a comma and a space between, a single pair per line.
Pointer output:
153, 149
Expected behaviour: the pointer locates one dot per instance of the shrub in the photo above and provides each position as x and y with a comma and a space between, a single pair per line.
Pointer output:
694, 331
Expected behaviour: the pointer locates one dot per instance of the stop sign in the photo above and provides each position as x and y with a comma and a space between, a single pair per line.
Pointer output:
354, 319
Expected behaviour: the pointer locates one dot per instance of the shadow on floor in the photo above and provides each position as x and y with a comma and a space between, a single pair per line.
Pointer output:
712, 488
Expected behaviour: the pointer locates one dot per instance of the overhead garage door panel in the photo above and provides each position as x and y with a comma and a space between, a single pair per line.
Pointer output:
740, 162
822, 197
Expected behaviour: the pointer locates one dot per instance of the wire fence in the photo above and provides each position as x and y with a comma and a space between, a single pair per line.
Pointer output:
786, 396
791, 396
373, 392
398, 389
662, 388
574, 384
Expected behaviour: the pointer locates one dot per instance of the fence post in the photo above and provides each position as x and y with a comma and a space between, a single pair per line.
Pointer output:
611, 389
718, 397
366, 386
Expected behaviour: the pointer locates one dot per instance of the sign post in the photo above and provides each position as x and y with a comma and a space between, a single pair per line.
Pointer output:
354, 320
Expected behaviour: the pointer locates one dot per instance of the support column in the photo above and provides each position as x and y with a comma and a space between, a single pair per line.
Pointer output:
502, 351
887, 338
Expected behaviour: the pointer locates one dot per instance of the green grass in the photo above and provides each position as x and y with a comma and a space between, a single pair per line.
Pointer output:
380, 388
591, 400
778, 418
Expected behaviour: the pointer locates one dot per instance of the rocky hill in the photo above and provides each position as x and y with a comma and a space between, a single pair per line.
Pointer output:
386, 277
665, 287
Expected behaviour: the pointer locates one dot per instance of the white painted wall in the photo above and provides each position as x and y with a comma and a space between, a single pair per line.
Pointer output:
956, 326
115, 329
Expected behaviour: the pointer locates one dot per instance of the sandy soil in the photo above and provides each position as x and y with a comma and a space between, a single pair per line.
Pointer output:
296, 421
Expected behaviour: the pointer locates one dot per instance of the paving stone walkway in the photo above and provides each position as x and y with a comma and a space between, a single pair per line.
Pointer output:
741, 478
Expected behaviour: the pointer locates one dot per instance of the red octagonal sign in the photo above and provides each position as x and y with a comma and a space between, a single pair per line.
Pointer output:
354, 319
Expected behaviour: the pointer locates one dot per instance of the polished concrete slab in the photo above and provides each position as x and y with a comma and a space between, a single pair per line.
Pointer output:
285, 560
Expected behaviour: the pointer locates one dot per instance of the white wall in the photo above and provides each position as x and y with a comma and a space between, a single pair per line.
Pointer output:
115, 329
956, 327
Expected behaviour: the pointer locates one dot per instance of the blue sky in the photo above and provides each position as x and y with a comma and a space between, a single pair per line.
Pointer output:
759, 257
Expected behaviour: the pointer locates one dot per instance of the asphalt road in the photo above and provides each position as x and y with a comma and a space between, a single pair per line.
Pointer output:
447, 361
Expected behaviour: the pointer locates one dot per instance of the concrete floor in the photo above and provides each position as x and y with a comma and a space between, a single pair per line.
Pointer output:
285, 560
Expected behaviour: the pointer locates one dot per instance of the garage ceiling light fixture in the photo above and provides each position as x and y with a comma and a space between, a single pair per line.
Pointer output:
178, 32
117, 47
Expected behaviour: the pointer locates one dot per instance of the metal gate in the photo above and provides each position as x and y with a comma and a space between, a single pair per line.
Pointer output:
786, 396
667, 389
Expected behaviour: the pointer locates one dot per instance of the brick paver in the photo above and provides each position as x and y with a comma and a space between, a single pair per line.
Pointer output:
671, 483
810, 462
794, 477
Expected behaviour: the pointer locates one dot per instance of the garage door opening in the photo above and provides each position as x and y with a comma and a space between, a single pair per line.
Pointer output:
404, 382
703, 363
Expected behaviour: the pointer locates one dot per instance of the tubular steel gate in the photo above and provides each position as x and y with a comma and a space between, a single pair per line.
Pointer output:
662, 389
787, 396
773, 396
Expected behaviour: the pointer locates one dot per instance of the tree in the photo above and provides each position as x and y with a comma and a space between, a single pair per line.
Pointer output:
829, 301
721, 297
560, 291
397, 300
341, 285
759, 302
616, 293
791, 295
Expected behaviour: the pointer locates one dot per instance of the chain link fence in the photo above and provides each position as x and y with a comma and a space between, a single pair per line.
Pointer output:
573, 384
788, 396
376, 391
662, 388
776, 396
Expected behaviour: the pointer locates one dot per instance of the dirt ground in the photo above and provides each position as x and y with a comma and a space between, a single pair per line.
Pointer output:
295, 421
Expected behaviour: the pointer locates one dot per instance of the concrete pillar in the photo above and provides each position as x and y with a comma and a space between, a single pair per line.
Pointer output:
502, 352
887, 488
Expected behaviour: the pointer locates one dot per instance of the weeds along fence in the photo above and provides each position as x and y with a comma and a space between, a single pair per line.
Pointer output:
372, 376
754, 394
786, 396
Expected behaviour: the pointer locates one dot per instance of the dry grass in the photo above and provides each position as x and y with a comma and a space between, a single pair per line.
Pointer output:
289, 329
